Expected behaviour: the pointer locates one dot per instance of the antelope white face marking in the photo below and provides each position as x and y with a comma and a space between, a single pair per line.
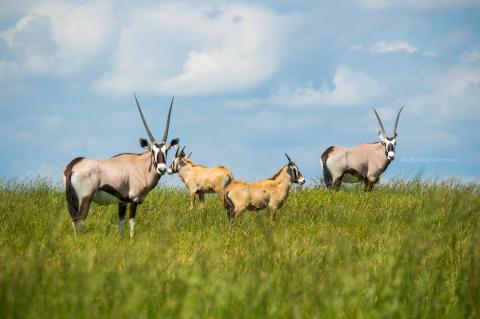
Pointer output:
390, 148
160, 167
174, 166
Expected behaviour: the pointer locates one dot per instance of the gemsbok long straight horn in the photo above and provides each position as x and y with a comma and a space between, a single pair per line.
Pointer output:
268, 194
123, 179
362, 163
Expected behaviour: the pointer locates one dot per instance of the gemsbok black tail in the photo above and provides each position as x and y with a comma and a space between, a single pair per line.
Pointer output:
327, 175
70, 194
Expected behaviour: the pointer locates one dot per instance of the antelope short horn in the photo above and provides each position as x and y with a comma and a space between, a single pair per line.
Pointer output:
150, 135
189, 155
289, 160
165, 135
380, 122
396, 122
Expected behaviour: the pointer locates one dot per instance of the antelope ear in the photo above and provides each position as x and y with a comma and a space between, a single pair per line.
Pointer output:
382, 137
144, 143
174, 143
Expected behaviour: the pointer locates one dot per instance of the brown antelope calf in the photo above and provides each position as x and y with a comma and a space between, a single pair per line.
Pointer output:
268, 194
200, 179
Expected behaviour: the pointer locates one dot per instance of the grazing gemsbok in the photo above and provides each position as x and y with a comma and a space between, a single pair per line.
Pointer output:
365, 162
122, 179
200, 179
268, 194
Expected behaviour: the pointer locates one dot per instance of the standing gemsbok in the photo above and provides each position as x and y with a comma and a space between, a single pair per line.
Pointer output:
362, 163
200, 179
122, 179
268, 194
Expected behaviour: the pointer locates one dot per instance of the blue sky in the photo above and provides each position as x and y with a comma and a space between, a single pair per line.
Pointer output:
252, 80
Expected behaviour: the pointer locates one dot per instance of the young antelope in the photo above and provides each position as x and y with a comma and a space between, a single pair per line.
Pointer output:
199, 179
267, 194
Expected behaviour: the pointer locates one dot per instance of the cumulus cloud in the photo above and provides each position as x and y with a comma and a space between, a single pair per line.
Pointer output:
454, 93
57, 38
180, 48
418, 4
398, 46
348, 88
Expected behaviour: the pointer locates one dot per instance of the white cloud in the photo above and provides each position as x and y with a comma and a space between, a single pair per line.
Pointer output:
58, 38
418, 4
398, 46
454, 93
186, 49
348, 88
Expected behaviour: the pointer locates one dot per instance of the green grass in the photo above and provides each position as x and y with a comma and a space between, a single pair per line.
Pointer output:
407, 250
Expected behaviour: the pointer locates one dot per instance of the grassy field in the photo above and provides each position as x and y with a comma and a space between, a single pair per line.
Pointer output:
405, 251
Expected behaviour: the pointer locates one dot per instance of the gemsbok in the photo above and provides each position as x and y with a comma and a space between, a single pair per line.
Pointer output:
268, 194
200, 179
122, 179
362, 163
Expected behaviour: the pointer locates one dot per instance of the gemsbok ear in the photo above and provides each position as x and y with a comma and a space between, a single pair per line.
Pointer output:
382, 137
143, 143
174, 143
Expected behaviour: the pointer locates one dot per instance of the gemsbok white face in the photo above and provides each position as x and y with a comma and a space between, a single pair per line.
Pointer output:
158, 150
388, 142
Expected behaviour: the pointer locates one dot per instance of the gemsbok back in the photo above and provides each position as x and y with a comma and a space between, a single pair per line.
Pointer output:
200, 179
122, 179
362, 163
268, 194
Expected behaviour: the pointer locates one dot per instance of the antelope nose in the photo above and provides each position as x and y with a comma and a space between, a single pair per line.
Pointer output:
161, 168
391, 155
169, 171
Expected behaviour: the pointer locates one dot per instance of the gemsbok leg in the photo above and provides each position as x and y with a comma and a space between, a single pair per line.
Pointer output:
83, 207
122, 209
131, 221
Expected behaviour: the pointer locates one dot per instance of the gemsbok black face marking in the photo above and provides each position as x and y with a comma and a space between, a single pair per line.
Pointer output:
122, 179
362, 163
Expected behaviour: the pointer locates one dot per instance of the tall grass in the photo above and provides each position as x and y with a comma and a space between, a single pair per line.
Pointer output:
405, 250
